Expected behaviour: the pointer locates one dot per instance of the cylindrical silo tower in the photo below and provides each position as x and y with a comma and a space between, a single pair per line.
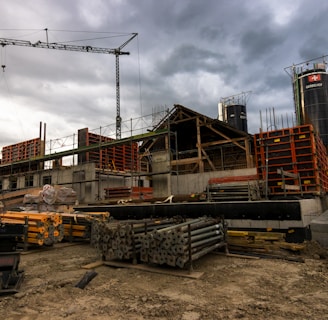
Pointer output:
233, 111
310, 86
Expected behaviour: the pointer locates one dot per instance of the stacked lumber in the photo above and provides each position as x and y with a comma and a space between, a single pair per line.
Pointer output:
14, 198
43, 228
77, 226
260, 242
159, 241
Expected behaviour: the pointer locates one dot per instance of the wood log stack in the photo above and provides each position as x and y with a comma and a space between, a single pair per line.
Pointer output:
43, 228
166, 241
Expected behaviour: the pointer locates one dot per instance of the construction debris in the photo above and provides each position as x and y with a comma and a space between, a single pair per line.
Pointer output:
87, 277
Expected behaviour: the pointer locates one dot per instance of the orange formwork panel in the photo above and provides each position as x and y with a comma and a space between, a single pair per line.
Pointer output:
22, 151
119, 158
232, 179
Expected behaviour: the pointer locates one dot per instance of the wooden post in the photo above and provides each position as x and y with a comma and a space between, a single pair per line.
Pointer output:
199, 147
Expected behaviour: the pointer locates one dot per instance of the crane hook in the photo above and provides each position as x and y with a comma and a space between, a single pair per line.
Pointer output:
3, 67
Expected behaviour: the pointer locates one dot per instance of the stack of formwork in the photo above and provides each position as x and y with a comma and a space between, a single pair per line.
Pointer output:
234, 187
127, 192
43, 228
159, 242
292, 161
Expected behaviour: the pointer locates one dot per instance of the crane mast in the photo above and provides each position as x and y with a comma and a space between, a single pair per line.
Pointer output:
86, 48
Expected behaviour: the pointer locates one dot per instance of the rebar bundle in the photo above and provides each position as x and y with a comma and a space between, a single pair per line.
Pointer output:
159, 242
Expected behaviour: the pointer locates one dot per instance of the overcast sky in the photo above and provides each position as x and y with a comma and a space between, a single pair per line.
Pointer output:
187, 52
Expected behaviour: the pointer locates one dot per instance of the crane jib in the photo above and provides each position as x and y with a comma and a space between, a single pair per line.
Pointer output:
67, 47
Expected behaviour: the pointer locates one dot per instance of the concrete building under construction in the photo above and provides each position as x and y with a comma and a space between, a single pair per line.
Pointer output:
273, 180
184, 146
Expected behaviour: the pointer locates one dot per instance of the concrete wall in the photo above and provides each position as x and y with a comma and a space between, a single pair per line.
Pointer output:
84, 179
162, 181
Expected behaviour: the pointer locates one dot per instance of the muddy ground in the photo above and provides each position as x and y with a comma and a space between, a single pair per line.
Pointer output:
229, 288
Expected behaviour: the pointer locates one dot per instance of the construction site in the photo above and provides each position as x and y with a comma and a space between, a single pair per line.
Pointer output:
189, 217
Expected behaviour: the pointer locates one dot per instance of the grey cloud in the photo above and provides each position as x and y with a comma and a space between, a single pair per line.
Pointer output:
257, 43
189, 58
218, 48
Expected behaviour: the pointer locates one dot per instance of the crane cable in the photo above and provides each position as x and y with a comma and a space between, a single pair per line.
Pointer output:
3, 58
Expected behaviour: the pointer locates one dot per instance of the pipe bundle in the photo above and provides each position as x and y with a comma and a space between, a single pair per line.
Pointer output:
43, 228
122, 240
77, 226
183, 243
160, 242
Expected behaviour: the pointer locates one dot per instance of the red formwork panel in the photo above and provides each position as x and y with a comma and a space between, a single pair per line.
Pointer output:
119, 158
129, 192
25, 150
299, 151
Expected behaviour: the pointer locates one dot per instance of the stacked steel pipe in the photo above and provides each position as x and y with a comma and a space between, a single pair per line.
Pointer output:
43, 228
77, 226
122, 240
183, 243
159, 242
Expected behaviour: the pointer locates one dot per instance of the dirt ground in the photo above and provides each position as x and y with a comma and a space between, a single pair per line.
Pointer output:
229, 288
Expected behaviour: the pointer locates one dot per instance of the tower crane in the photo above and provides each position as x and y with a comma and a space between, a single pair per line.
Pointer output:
90, 49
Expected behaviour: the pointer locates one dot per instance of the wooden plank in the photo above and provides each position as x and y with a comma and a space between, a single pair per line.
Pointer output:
93, 265
290, 187
287, 174
235, 255
185, 161
292, 246
61, 245
161, 270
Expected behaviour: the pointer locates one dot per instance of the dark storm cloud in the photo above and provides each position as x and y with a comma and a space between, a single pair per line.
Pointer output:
260, 42
315, 46
189, 58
